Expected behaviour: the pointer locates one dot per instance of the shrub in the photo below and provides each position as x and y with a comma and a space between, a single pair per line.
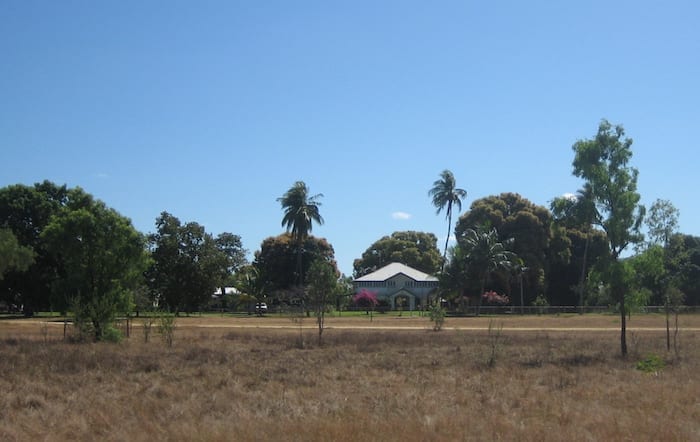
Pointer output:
651, 364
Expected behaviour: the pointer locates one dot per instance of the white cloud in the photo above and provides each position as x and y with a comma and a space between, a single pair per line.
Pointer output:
570, 196
401, 215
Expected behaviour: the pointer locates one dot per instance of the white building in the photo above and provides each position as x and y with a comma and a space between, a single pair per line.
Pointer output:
399, 284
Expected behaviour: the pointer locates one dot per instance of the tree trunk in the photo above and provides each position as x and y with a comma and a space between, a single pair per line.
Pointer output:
668, 328
623, 325
447, 240
582, 278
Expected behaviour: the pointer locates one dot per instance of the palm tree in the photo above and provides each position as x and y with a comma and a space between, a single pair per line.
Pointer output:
578, 211
446, 194
483, 254
300, 212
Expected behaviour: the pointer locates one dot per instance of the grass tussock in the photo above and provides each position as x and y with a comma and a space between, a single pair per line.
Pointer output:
407, 385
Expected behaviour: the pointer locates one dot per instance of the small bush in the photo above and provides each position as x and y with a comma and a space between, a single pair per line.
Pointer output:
437, 316
651, 364
112, 334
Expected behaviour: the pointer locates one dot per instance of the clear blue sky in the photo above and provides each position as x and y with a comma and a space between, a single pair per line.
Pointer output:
210, 110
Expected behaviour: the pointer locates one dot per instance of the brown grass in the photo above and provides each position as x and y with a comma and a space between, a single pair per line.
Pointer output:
404, 385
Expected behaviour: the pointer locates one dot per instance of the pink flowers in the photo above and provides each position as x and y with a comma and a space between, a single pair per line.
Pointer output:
492, 297
365, 298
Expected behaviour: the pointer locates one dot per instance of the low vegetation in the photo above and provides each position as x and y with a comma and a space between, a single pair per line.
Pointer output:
218, 383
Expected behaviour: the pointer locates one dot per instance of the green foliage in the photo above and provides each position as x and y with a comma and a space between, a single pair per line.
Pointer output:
414, 249
103, 258
603, 163
482, 254
13, 256
277, 259
495, 335
300, 212
541, 303
166, 327
662, 222
26, 211
188, 264
445, 195
437, 315
651, 364
322, 288
112, 334
524, 223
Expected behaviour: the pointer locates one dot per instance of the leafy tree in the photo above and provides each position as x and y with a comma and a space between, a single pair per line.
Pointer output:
662, 222
682, 255
252, 284
300, 212
26, 211
323, 278
445, 194
529, 226
277, 260
483, 254
188, 263
367, 299
603, 163
103, 259
13, 256
575, 214
414, 249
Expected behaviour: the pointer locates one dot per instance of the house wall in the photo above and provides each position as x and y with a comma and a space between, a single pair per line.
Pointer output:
398, 285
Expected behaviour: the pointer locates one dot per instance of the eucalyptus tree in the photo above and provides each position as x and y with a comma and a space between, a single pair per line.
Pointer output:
603, 163
483, 253
445, 195
300, 212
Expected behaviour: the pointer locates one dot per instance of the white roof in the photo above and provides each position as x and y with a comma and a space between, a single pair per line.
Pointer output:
393, 269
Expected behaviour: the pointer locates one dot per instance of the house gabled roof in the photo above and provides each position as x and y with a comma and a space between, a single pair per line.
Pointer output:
393, 269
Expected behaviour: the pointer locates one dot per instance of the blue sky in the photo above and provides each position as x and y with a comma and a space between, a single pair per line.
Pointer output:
211, 110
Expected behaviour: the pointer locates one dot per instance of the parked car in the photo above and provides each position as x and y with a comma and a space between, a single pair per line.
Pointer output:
261, 308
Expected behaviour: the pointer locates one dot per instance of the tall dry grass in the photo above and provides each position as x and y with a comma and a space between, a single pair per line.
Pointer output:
384, 385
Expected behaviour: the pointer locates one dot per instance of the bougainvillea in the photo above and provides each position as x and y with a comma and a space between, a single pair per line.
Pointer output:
492, 297
365, 298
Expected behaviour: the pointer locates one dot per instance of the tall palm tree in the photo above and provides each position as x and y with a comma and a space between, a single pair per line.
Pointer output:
300, 212
578, 211
446, 195
483, 254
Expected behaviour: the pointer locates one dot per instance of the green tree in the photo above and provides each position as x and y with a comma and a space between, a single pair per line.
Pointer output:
414, 249
13, 256
103, 259
277, 260
662, 222
188, 263
483, 254
603, 163
323, 282
682, 255
300, 212
445, 195
576, 214
530, 227
26, 211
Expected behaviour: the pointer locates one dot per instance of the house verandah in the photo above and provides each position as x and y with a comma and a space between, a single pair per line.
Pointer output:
400, 286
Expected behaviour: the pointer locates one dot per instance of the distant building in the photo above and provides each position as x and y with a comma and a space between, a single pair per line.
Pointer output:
399, 285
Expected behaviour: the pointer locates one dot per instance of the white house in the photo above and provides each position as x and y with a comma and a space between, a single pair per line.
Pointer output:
399, 284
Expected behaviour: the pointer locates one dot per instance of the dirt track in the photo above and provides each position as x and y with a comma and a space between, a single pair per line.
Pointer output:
561, 323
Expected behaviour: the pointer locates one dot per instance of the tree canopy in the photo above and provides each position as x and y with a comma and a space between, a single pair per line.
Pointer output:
445, 195
603, 163
189, 263
414, 249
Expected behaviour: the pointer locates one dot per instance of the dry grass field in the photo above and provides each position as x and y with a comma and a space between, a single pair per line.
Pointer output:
392, 379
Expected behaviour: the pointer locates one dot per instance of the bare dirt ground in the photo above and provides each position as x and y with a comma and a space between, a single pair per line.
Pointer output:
655, 323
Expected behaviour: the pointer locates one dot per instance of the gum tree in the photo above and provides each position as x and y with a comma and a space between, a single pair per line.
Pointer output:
603, 162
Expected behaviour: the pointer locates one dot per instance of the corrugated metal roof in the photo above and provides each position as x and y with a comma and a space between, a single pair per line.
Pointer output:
394, 269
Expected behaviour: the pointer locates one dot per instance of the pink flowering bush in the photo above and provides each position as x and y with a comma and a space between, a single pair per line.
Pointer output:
492, 297
365, 298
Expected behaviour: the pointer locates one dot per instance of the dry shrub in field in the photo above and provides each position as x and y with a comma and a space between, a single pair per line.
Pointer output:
361, 384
